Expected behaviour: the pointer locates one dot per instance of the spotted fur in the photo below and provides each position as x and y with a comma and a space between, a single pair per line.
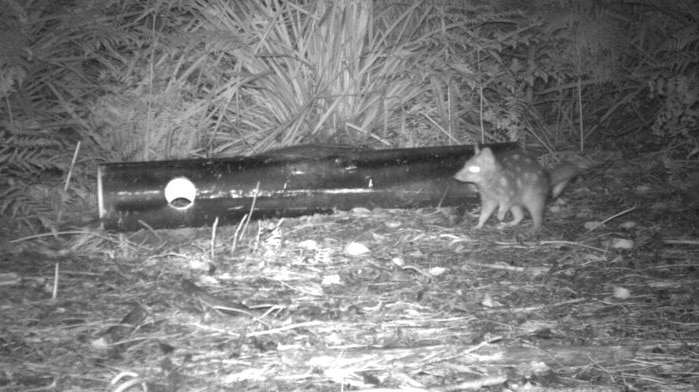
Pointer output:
511, 181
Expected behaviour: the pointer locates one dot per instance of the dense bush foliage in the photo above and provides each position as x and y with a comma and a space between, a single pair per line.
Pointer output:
143, 80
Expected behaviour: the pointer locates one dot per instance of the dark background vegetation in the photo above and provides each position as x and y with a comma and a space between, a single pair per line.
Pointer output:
147, 80
605, 297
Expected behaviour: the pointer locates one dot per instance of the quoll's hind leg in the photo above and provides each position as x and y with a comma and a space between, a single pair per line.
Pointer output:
517, 216
502, 210
536, 210
487, 208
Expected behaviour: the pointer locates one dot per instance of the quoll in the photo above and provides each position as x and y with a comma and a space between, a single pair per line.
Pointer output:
512, 180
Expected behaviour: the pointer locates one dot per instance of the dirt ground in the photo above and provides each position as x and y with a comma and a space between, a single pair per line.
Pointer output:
372, 300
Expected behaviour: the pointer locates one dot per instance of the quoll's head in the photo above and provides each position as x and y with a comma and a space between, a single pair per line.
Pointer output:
475, 167
469, 173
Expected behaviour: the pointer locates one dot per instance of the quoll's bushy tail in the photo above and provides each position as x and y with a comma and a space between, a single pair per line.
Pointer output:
560, 176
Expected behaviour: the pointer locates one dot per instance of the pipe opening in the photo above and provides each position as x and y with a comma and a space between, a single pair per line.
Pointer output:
180, 193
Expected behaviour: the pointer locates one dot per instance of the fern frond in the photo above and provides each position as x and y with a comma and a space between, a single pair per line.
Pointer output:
24, 155
682, 39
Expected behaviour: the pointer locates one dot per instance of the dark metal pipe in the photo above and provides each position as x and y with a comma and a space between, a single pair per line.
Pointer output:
291, 181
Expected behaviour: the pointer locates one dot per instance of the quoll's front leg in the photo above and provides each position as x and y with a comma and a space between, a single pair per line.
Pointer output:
488, 206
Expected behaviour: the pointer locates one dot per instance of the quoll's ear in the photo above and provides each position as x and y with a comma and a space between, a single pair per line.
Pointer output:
487, 154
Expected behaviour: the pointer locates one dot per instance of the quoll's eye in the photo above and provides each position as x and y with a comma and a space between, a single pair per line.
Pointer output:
474, 169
